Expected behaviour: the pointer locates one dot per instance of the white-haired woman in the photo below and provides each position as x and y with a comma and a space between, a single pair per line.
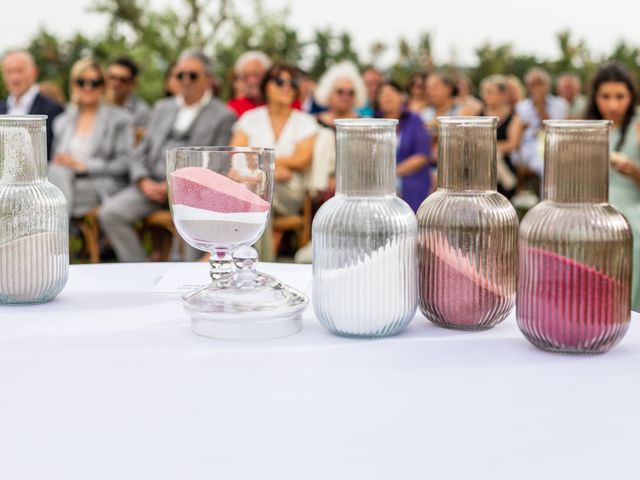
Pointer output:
249, 70
341, 91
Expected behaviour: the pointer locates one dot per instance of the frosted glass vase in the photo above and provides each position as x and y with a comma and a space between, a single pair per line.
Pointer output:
574, 287
364, 238
34, 238
468, 232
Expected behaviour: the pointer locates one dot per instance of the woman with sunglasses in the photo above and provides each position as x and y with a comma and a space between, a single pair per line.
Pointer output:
414, 144
278, 125
614, 96
93, 141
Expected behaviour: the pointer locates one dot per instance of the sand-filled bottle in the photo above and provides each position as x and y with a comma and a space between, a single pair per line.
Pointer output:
34, 238
468, 232
575, 249
364, 238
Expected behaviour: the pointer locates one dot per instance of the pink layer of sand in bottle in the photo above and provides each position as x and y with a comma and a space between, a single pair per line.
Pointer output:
567, 304
455, 293
200, 187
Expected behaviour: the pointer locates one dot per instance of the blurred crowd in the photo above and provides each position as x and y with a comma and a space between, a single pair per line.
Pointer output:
106, 145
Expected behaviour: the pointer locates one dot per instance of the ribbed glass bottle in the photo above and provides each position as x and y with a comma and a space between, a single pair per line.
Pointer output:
575, 249
468, 232
34, 238
364, 238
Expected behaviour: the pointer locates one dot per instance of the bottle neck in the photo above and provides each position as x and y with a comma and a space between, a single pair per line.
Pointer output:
576, 161
366, 157
23, 149
467, 153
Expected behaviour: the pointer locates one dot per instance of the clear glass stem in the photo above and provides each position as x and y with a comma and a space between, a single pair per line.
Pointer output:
221, 264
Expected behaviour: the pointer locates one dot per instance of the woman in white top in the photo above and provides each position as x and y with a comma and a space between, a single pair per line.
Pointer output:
291, 132
92, 144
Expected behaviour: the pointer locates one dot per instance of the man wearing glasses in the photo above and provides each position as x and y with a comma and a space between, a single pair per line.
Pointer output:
122, 80
193, 117
20, 75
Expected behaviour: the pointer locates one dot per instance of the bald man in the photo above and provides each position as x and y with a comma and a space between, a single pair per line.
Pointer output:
20, 76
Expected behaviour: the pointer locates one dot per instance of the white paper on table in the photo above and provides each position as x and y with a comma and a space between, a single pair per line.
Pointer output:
181, 280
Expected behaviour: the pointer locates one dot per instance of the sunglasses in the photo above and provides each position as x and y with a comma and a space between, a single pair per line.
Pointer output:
120, 79
193, 76
346, 91
89, 83
281, 82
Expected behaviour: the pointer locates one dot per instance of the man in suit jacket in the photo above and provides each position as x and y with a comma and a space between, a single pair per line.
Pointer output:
20, 74
193, 117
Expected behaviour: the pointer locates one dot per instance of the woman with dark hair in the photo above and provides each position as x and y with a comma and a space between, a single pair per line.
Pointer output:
442, 91
614, 97
278, 125
494, 93
417, 92
414, 144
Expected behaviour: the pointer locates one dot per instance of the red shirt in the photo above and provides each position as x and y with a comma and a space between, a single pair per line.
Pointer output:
242, 104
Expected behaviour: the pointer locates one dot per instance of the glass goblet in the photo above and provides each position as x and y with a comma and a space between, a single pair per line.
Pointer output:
220, 200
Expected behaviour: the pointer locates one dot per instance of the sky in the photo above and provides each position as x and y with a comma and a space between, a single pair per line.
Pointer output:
457, 26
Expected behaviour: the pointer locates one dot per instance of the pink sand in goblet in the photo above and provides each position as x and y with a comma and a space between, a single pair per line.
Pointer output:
210, 208
567, 305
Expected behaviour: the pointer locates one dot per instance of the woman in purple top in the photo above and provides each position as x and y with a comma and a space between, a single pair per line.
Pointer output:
414, 145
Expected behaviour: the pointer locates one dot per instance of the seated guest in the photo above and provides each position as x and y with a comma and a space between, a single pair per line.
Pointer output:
372, 79
494, 92
92, 144
341, 91
306, 100
249, 69
417, 92
291, 132
540, 105
515, 90
171, 85
614, 97
20, 74
469, 105
442, 92
122, 79
568, 86
414, 145
193, 117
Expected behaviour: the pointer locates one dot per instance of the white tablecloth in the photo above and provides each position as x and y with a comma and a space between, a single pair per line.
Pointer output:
108, 382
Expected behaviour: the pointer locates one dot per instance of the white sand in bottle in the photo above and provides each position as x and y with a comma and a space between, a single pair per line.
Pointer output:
31, 266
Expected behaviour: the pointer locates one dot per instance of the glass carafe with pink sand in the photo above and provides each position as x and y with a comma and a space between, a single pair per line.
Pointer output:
467, 241
575, 248
220, 198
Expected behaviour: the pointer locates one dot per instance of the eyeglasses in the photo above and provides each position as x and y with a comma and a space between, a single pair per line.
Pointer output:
89, 83
193, 76
120, 79
281, 82
345, 91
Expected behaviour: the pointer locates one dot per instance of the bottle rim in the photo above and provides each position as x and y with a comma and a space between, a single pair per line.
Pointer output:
22, 118
366, 122
467, 121
577, 123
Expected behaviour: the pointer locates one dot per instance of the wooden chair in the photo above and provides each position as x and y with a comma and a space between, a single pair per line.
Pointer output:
90, 230
162, 230
299, 224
